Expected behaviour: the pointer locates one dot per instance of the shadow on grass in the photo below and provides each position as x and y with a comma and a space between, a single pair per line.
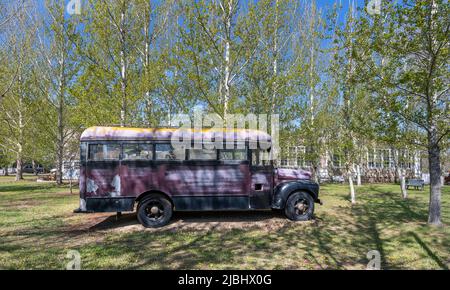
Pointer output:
429, 252
328, 242
339, 238
181, 218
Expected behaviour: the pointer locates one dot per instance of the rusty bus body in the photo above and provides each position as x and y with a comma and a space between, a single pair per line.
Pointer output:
124, 167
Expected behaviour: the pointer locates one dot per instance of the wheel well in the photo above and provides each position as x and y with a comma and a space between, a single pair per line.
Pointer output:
147, 193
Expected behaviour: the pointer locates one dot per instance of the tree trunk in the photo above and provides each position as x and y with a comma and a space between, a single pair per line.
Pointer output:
33, 165
60, 143
226, 80
318, 172
21, 126
70, 179
61, 104
352, 188
315, 173
275, 60
400, 174
59, 167
19, 165
227, 65
147, 40
402, 178
358, 175
123, 68
6, 171
434, 215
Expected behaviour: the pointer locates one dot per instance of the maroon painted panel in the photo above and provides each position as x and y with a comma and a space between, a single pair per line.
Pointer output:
198, 179
184, 179
131, 179
103, 179
286, 174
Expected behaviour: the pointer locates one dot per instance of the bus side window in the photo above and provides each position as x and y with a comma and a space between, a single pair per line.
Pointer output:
202, 154
167, 152
83, 151
99, 152
238, 154
134, 151
260, 157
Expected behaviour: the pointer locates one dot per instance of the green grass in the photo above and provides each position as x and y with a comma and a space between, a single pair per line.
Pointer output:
38, 228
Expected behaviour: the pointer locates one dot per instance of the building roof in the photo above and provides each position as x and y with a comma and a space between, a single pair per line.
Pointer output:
126, 133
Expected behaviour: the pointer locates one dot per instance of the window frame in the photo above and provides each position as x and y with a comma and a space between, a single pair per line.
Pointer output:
138, 143
103, 143
234, 161
258, 157
86, 145
188, 155
166, 160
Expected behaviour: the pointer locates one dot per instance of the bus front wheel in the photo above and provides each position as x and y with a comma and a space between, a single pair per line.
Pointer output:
154, 211
299, 206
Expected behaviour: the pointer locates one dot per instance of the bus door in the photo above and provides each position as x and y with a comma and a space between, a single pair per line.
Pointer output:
102, 170
261, 185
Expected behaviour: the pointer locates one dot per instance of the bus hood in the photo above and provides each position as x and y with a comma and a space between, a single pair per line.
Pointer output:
291, 174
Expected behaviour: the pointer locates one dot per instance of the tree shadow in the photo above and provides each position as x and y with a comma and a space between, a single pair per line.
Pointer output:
429, 252
186, 217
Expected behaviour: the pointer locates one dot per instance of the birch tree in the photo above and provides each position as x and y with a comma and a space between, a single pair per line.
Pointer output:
9, 12
108, 83
272, 72
17, 102
57, 70
213, 52
311, 51
153, 49
415, 49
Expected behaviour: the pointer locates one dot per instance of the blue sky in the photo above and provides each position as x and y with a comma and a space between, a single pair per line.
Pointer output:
320, 3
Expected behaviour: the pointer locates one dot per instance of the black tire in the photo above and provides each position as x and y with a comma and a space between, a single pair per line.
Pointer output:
299, 206
154, 211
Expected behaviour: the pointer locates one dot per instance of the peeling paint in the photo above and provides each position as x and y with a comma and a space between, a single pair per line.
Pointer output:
82, 204
116, 185
91, 186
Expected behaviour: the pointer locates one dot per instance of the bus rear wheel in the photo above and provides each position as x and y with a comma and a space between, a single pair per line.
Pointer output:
154, 211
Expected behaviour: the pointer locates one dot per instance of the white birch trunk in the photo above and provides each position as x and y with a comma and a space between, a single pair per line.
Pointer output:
402, 178
352, 188
358, 175
226, 80
123, 68
311, 72
60, 138
401, 175
20, 139
147, 39
227, 65
275, 60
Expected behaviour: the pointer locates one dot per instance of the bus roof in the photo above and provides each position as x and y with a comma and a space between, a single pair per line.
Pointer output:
126, 133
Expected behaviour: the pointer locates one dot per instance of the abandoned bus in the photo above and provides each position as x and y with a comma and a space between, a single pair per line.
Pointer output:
123, 169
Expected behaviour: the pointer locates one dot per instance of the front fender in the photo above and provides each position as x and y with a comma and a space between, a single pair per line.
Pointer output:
283, 190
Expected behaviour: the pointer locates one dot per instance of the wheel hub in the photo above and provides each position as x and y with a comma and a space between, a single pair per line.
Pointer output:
301, 206
154, 210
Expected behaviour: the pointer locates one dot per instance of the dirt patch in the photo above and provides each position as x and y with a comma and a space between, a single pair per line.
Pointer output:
265, 221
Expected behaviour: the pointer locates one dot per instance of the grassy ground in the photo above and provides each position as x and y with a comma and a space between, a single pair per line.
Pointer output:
38, 228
